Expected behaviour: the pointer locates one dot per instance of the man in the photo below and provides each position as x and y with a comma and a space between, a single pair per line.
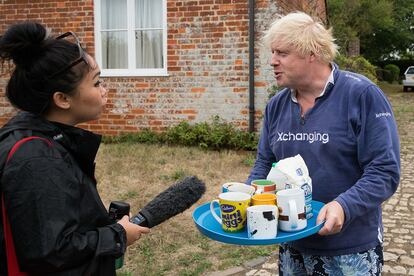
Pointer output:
343, 126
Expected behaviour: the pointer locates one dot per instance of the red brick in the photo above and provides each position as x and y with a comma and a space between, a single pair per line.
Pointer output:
189, 111
198, 89
240, 89
142, 85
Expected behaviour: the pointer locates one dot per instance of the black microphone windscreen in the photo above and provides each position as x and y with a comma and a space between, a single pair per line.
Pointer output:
174, 200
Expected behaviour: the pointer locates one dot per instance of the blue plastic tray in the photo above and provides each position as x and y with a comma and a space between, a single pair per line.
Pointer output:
208, 226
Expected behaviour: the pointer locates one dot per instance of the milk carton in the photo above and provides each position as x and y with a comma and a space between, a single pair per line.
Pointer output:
278, 177
306, 186
297, 176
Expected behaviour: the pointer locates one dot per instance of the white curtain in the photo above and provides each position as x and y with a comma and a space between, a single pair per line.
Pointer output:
115, 42
148, 34
148, 42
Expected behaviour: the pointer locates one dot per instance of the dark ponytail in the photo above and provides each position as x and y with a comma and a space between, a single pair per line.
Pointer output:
37, 56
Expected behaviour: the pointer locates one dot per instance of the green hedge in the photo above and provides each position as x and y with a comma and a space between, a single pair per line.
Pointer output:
394, 72
403, 64
216, 134
357, 65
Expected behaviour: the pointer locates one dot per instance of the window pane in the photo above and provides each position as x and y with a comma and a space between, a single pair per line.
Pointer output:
113, 14
114, 50
149, 49
148, 13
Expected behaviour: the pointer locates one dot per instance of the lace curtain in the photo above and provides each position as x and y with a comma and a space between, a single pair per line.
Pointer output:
147, 30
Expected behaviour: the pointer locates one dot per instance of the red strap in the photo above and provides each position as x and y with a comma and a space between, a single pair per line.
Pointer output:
20, 142
12, 264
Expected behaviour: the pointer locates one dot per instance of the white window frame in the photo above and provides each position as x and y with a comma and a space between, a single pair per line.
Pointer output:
132, 70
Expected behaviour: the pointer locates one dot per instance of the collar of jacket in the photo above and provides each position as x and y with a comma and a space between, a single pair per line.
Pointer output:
82, 144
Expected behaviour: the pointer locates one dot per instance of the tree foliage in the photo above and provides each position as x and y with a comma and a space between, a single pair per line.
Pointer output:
384, 27
392, 41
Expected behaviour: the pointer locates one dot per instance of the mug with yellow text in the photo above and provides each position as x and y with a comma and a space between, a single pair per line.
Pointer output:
233, 207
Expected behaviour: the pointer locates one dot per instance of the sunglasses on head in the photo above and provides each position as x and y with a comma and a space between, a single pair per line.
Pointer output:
71, 37
81, 58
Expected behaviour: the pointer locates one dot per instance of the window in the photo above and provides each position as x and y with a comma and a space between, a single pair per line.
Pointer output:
410, 70
131, 37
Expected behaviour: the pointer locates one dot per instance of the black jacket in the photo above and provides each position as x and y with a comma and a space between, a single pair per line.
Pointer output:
59, 223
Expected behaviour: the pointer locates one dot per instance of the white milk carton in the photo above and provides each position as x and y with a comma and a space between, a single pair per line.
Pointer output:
277, 176
298, 176
306, 186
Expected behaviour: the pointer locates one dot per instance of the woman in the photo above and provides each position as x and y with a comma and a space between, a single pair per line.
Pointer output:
58, 223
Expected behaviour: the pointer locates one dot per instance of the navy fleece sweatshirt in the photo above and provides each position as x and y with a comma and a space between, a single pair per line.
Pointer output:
350, 144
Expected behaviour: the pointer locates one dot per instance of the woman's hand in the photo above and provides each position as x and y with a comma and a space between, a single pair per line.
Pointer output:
133, 231
334, 217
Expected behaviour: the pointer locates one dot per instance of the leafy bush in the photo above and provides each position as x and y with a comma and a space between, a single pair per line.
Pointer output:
244, 140
357, 65
145, 136
216, 134
394, 72
180, 134
272, 90
401, 63
387, 76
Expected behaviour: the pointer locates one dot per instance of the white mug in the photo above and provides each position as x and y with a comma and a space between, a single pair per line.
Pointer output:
262, 221
225, 186
264, 186
292, 215
241, 187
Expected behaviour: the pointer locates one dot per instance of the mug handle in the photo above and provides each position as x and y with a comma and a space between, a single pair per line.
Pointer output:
293, 214
212, 210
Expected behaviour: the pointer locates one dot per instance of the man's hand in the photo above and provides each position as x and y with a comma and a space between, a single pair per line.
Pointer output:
334, 217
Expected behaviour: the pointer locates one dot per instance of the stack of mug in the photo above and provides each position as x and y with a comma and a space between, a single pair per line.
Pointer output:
260, 208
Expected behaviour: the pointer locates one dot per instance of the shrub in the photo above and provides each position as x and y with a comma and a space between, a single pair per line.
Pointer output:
394, 72
216, 134
357, 65
244, 140
144, 136
401, 63
180, 134
272, 90
387, 76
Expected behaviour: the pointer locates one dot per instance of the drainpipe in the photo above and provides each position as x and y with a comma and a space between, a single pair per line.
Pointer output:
251, 65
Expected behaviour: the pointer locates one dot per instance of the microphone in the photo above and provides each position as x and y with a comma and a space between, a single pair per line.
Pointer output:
174, 200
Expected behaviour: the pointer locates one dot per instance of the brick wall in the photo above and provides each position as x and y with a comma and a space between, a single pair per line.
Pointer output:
207, 63
60, 16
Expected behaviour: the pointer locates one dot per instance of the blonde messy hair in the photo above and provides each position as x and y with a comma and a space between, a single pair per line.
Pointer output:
305, 34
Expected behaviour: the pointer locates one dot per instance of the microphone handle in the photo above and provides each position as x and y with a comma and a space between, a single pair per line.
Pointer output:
139, 219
